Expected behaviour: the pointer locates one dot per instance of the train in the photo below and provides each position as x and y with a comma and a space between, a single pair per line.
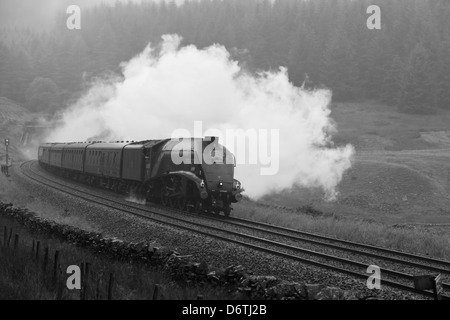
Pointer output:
192, 174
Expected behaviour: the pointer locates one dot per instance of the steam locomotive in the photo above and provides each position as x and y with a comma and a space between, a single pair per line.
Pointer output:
192, 174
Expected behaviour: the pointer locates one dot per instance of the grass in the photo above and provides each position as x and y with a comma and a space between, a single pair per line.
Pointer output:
22, 278
409, 240
400, 175
356, 121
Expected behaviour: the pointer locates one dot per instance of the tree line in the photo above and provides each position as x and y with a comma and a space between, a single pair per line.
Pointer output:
406, 64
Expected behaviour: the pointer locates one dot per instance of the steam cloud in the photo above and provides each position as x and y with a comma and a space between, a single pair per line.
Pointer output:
172, 87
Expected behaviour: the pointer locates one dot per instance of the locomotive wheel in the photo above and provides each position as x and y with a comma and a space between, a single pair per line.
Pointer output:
198, 206
181, 203
165, 200
227, 211
190, 207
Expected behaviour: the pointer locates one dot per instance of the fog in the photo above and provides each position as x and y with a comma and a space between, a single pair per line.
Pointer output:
40, 14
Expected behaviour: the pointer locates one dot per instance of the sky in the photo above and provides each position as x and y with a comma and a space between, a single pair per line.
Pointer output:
40, 13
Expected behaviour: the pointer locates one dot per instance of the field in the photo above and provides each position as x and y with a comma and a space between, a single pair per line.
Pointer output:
400, 173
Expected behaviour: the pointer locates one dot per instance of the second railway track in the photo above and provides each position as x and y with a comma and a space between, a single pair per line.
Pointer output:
277, 241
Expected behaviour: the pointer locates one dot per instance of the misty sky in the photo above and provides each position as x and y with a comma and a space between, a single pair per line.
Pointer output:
40, 13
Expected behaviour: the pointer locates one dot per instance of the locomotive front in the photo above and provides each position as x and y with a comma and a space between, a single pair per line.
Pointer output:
218, 174
206, 168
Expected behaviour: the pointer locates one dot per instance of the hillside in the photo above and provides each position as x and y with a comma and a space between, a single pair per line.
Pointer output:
401, 171
12, 119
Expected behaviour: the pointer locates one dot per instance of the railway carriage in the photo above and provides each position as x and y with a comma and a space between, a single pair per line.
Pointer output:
55, 156
174, 173
104, 159
73, 156
44, 153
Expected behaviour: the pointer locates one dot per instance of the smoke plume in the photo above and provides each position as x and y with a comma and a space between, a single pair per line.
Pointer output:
168, 87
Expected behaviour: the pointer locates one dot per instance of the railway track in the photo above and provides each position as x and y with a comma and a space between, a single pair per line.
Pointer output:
278, 241
435, 265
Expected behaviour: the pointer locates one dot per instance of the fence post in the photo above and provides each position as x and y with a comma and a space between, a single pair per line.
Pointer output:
32, 250
86, 281
82, 280
99, 283
10, 235
155, 292
16, 241
38, 245
110, 287
60, 284
55, 266
5, 235
44, 265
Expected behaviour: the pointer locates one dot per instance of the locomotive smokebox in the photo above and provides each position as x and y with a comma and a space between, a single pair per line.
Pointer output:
211, 139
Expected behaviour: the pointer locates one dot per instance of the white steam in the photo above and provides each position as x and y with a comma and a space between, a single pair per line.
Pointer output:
165, 90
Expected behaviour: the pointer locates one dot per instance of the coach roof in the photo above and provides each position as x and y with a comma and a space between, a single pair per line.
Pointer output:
77, 145
107, 146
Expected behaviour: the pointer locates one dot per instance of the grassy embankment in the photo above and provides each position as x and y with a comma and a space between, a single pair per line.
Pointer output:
22, 275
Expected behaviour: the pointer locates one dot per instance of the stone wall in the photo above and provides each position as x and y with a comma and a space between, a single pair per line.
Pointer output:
240, 281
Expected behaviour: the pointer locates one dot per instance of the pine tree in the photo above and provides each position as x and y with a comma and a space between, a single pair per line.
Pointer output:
417, 87
105, 50
5, 70
443, 77
42, 95
393, 81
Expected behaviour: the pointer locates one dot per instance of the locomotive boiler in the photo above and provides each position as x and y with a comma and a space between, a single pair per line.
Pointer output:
192, 174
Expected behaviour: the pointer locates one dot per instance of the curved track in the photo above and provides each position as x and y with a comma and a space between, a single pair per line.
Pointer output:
266, 243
